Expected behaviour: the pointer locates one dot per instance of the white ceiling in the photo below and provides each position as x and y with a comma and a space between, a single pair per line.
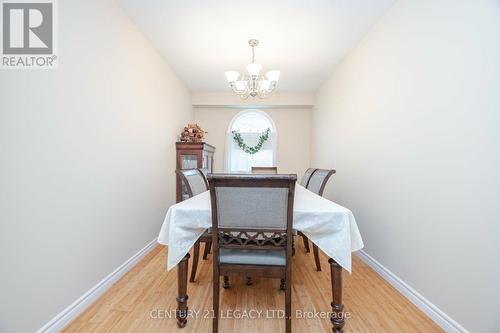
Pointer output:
201, 39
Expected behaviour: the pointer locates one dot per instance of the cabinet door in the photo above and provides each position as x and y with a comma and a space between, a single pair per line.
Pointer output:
189, 161
204, 163
208, 161
211, 162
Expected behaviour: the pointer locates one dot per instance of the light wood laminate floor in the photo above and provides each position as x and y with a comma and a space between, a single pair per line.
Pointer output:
144, 298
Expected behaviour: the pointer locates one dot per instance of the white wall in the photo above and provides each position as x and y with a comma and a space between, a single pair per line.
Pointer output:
87, 161
289, 111
412, 115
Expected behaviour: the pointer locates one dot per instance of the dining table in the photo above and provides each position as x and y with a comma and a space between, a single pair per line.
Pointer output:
327, 224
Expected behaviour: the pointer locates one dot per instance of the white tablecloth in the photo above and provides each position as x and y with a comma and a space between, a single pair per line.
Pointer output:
330, 226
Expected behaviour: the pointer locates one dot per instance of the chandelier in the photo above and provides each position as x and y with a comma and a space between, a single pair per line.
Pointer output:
253, 84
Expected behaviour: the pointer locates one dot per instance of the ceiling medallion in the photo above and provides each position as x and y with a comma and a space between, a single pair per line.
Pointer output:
253, 84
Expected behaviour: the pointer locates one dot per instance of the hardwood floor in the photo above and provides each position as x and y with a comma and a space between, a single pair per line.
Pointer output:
144, 298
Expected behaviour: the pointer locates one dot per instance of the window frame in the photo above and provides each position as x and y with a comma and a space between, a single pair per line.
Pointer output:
228, 155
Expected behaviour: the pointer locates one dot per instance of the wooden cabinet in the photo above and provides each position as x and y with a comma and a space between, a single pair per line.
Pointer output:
189, 156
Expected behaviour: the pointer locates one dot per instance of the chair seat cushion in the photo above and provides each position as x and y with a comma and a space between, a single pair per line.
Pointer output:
252, 257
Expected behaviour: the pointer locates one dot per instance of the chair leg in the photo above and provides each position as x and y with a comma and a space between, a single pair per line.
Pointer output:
306, 243
282, 285
288, 303
338, 316
208, 246
182, 297
226, 282
249, 281
196, 255
316, 257
215, 298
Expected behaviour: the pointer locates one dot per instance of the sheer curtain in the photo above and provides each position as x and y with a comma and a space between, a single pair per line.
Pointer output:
251, 124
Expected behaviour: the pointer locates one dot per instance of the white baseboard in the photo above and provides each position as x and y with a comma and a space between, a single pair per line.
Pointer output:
438, 316
78, 306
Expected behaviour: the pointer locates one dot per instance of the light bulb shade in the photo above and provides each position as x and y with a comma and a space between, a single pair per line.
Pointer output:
254, 69
240, 85
265, 85
273, 75
232, 76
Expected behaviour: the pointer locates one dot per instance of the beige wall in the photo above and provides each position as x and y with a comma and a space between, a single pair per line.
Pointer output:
412, 118
87, 161
293, 127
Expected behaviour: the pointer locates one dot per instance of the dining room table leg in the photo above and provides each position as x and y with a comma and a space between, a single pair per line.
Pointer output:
182, 297
196, 256
337, 317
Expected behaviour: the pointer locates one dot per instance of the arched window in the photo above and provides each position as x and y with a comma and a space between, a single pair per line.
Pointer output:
251, 124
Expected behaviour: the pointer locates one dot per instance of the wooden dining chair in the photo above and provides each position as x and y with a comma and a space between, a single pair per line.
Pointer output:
317, 182
196, 183
265, 170
252, 230
304, 181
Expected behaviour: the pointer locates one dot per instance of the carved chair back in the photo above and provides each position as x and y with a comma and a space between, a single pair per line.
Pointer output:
252, 211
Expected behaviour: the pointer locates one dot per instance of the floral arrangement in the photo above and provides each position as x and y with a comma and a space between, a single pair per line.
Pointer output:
247, 149
192, 133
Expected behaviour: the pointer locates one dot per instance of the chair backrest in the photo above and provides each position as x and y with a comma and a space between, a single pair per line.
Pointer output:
195, 181
265, 170
255, 208
318, 180
307, 175
205, 173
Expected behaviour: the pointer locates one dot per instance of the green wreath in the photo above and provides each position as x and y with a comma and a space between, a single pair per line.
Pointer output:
251, 150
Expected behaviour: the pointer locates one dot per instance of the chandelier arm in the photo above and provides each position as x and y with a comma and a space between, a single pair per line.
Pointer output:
244, 95
238, 92
273, 86
264, 93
